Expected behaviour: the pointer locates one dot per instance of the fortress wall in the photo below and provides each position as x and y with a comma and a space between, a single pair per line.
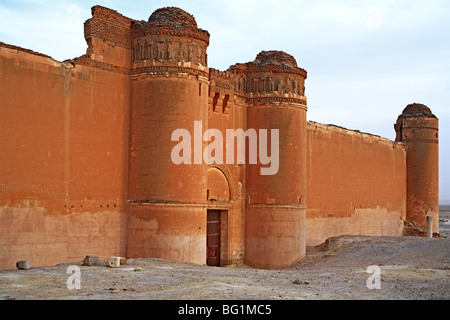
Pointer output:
355, 184
63, 139
85, 170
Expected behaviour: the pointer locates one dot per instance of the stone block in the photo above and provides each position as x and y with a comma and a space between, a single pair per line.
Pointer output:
114, 262
23, 264
123, 260
91, 261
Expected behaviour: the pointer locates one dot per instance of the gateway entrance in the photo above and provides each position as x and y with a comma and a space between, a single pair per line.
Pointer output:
213, 238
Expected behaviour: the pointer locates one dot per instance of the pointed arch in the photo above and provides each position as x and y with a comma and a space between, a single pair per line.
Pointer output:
222, 189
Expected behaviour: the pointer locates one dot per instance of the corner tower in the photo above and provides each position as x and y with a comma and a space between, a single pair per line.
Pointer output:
276, 201
417, 127
169, 91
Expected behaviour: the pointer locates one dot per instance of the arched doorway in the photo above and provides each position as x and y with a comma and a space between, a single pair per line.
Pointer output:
218, 196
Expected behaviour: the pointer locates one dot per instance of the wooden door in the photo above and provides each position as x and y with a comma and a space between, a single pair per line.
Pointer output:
213, 238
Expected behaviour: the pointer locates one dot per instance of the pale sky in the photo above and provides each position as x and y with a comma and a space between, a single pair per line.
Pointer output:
366, 60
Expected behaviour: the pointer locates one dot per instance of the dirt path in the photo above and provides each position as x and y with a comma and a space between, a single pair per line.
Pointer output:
411, 268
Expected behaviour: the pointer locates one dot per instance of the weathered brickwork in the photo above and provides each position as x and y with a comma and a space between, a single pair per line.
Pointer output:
109, 26
86, 155
417, 128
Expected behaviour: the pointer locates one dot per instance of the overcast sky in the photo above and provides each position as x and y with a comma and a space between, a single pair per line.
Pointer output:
366, 60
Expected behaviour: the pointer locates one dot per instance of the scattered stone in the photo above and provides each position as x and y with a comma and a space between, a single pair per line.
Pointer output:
137, 268
297, 281
23, 264
413, 229
91, 261
114, 262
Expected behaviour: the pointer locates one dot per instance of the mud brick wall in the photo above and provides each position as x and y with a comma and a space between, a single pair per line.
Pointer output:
355, 184
63, 138
85, 166
109, 26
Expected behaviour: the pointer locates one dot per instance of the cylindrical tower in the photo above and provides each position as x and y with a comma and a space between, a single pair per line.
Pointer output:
276, 197
417, 127
169, 91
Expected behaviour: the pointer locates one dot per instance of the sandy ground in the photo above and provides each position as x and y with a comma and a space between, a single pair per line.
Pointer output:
411, 268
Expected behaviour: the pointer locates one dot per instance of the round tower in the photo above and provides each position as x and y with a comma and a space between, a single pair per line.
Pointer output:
417, 128
169, 91
276, 190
